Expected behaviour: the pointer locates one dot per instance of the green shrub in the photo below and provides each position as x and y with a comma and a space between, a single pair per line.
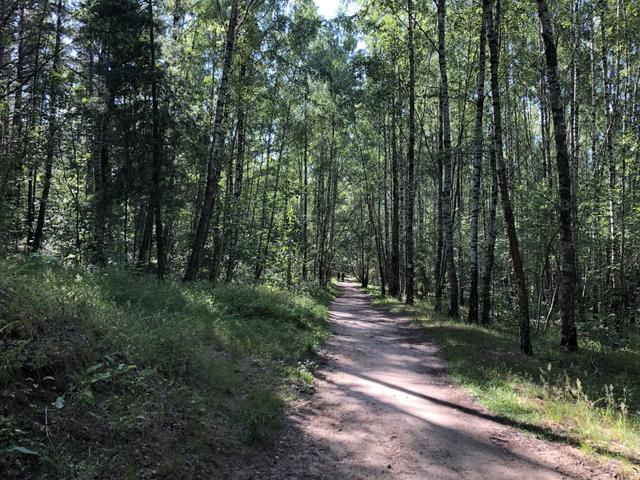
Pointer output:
116, 348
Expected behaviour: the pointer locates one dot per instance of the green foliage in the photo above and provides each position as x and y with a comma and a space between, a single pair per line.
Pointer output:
121, 349
324, 108
301, 376
262, 417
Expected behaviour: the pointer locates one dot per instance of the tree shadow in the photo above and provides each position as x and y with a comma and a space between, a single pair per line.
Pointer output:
543, 432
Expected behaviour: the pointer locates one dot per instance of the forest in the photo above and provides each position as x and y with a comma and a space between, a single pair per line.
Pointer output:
185, 185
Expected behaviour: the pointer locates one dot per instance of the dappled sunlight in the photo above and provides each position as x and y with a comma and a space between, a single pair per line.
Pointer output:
386, 407
564, 397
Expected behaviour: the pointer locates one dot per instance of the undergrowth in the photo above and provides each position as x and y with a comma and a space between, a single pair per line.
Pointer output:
590, 399
109, 373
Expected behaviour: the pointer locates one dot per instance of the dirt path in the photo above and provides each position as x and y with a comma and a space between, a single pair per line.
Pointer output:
384, 407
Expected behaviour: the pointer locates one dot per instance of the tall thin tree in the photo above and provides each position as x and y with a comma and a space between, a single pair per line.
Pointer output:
51, 130
409, 271
452, 278
569, 335
156, 150
214, 163
478, 145
514, 247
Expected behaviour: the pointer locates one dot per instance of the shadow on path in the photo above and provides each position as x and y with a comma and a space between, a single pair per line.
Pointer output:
385, 408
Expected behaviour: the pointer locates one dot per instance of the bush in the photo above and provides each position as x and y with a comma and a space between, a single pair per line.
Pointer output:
120, 361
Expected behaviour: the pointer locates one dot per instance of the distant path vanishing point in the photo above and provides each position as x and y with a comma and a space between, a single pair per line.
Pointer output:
384, 407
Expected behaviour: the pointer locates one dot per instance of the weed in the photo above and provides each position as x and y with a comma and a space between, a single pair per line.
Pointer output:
97, 364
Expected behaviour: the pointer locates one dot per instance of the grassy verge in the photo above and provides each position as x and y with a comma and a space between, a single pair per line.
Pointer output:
110, 373
590, 399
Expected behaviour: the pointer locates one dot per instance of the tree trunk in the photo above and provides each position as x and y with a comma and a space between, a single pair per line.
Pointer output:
490, 242
394, 278
262, 257
10, 193
156, 152
101, 179
452, 278
237, 188
377, 235
477, 175
51, 133
611, 162
569, 337
147, 233
575, 147
514, 248
439, 224
409, 196
213, 167
305, 188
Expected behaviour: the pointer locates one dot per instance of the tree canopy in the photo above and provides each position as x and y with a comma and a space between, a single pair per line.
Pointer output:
483, 155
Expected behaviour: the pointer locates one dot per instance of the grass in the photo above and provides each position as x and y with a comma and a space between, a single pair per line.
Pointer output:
108, 372
590, 399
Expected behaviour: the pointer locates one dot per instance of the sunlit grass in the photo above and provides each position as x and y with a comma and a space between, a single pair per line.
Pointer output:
217, 358
590, 399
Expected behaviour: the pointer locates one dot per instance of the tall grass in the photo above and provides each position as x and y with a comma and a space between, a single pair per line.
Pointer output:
223, 354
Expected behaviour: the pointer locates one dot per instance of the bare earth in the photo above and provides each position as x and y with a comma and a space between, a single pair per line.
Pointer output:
384, 407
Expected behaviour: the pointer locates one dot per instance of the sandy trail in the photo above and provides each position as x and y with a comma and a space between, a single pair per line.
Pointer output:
384, 407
